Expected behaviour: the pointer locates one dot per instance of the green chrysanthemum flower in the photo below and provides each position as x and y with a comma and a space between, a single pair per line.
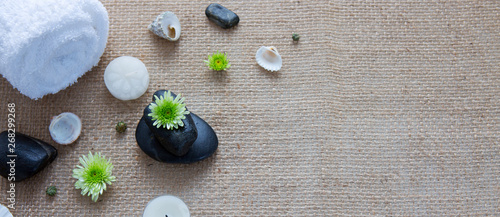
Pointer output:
168, 112
218, 61
93, 175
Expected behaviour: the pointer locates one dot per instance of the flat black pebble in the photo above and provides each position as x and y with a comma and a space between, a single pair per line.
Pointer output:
32, 156
222, 16
205, 145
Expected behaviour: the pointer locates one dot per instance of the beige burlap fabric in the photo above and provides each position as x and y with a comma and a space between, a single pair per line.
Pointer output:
384, 108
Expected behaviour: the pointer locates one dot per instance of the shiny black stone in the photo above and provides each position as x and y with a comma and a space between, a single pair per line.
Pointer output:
31, 156
177, 141
222, 16
205, 145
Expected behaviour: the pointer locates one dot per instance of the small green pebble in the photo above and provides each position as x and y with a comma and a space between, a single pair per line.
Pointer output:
121, 127
295, 37
51, 190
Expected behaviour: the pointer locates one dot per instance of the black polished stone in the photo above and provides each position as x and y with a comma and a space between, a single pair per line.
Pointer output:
177, 141
31, 156
205, 145
222, 16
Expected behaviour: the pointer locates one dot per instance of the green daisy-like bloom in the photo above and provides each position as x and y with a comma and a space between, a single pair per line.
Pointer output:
218, 61
93, 175
168, 112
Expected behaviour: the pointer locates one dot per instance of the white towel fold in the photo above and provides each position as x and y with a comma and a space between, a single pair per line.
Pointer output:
46, 45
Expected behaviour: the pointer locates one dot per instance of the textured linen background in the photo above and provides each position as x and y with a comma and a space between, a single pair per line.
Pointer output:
384, 108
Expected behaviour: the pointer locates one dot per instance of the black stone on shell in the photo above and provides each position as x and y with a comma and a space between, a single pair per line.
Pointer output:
221, 16
31, 156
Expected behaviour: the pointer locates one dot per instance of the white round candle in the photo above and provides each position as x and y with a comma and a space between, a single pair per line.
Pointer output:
166, 206
126, 78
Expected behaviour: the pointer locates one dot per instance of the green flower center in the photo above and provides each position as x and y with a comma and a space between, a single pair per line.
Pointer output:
95, 174
167, 113
218, 61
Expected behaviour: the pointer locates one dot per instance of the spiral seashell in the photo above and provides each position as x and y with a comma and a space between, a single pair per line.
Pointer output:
269, 58
167, 26
65, 128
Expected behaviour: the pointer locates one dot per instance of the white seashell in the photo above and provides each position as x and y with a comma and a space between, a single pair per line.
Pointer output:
4, 212
126, 78
269, 58
65, 128
167, 26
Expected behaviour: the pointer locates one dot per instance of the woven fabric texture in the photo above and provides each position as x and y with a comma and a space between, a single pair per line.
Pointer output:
383, 108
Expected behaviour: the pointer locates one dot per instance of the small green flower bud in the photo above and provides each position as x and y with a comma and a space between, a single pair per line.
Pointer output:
51, 190
121, 127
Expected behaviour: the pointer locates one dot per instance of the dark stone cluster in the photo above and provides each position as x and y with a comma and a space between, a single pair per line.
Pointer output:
193, 142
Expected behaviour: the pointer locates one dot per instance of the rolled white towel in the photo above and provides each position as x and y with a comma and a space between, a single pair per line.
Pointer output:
46, 45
